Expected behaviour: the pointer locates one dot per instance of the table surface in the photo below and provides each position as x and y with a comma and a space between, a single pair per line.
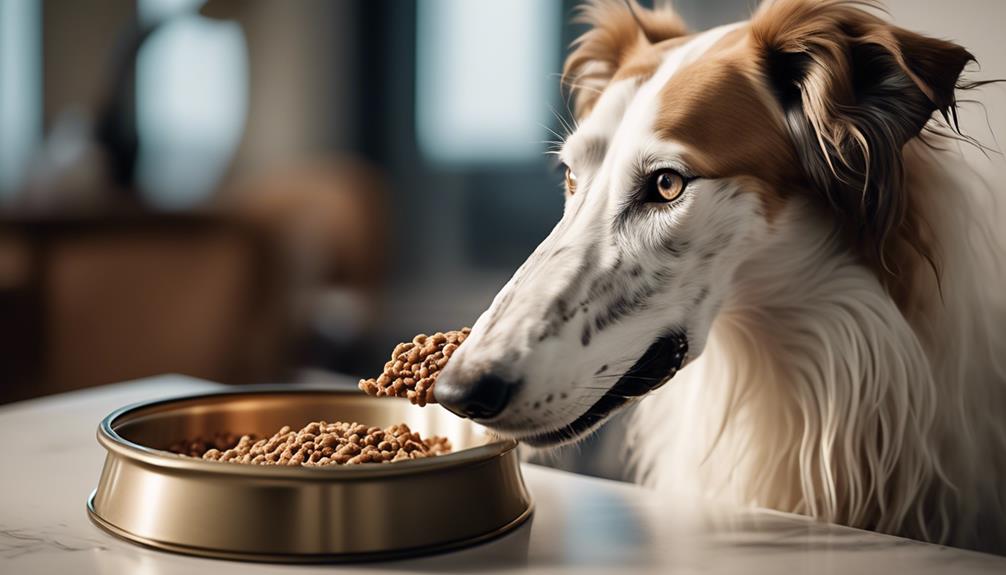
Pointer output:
51, 462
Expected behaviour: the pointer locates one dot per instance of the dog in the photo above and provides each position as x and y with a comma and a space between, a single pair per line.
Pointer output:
775, 216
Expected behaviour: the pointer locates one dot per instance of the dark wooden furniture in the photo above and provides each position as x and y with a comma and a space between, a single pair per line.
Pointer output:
87, 301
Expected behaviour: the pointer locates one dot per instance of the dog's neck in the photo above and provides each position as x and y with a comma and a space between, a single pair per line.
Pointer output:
831, 347
819, 392
809, 385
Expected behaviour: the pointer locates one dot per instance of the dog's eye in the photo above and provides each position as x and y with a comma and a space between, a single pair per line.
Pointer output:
665, 186
570, 181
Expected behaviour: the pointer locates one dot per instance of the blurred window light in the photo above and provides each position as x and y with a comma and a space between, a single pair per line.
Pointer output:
153, 10
20, 89
485, 78
191, 101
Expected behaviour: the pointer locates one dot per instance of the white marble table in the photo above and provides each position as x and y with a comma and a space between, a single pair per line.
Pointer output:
51, 460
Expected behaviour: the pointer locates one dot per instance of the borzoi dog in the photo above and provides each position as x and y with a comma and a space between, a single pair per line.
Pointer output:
773, 214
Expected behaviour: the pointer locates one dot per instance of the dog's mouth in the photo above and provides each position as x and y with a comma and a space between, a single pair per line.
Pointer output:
654, 368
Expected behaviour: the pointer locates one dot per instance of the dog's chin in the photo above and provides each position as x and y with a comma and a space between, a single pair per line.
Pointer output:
568, 434
654, 368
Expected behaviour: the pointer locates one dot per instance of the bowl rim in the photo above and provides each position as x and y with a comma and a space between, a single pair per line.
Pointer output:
110, 439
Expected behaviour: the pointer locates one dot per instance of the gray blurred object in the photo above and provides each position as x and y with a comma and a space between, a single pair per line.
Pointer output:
88, 162
293, 173
299, 103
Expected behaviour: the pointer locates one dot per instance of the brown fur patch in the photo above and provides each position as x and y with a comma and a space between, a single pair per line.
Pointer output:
619, 34
855, 89
718, 109
813, 96
645, 60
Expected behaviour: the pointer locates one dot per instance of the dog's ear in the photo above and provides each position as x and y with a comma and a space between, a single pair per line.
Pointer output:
854, 90
619, 29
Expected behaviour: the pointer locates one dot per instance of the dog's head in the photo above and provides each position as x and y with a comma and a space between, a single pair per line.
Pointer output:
687, 150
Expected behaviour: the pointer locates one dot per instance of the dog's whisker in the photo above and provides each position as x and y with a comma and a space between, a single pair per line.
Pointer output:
561, 138
562, 121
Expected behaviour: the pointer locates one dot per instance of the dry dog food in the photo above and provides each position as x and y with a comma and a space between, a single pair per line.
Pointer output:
415, 366
323, 443
200, 445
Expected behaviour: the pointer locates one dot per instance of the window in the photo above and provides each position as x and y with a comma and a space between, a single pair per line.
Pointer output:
20, 89
483, 78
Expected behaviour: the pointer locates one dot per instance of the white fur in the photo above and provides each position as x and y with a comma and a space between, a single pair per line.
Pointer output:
817, 395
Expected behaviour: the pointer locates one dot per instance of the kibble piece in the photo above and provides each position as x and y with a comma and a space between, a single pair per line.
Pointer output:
414, 367
200, 445
319, 444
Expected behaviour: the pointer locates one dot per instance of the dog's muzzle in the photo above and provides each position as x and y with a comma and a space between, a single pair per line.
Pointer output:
484, 398
485, 395
654, 368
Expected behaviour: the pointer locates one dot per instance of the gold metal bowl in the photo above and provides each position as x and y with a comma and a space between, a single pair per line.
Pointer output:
301, 514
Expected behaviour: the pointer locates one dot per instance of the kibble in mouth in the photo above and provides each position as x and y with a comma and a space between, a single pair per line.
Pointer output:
319, 444
415, 366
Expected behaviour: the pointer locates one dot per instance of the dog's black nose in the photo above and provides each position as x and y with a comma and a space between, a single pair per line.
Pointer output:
482, 398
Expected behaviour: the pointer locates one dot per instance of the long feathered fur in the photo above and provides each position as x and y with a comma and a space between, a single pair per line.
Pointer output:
822, 391
817, 394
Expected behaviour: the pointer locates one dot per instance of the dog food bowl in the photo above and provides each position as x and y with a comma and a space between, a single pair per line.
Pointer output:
301, 514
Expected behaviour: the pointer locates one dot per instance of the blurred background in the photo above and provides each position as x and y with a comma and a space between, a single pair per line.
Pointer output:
260, 191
